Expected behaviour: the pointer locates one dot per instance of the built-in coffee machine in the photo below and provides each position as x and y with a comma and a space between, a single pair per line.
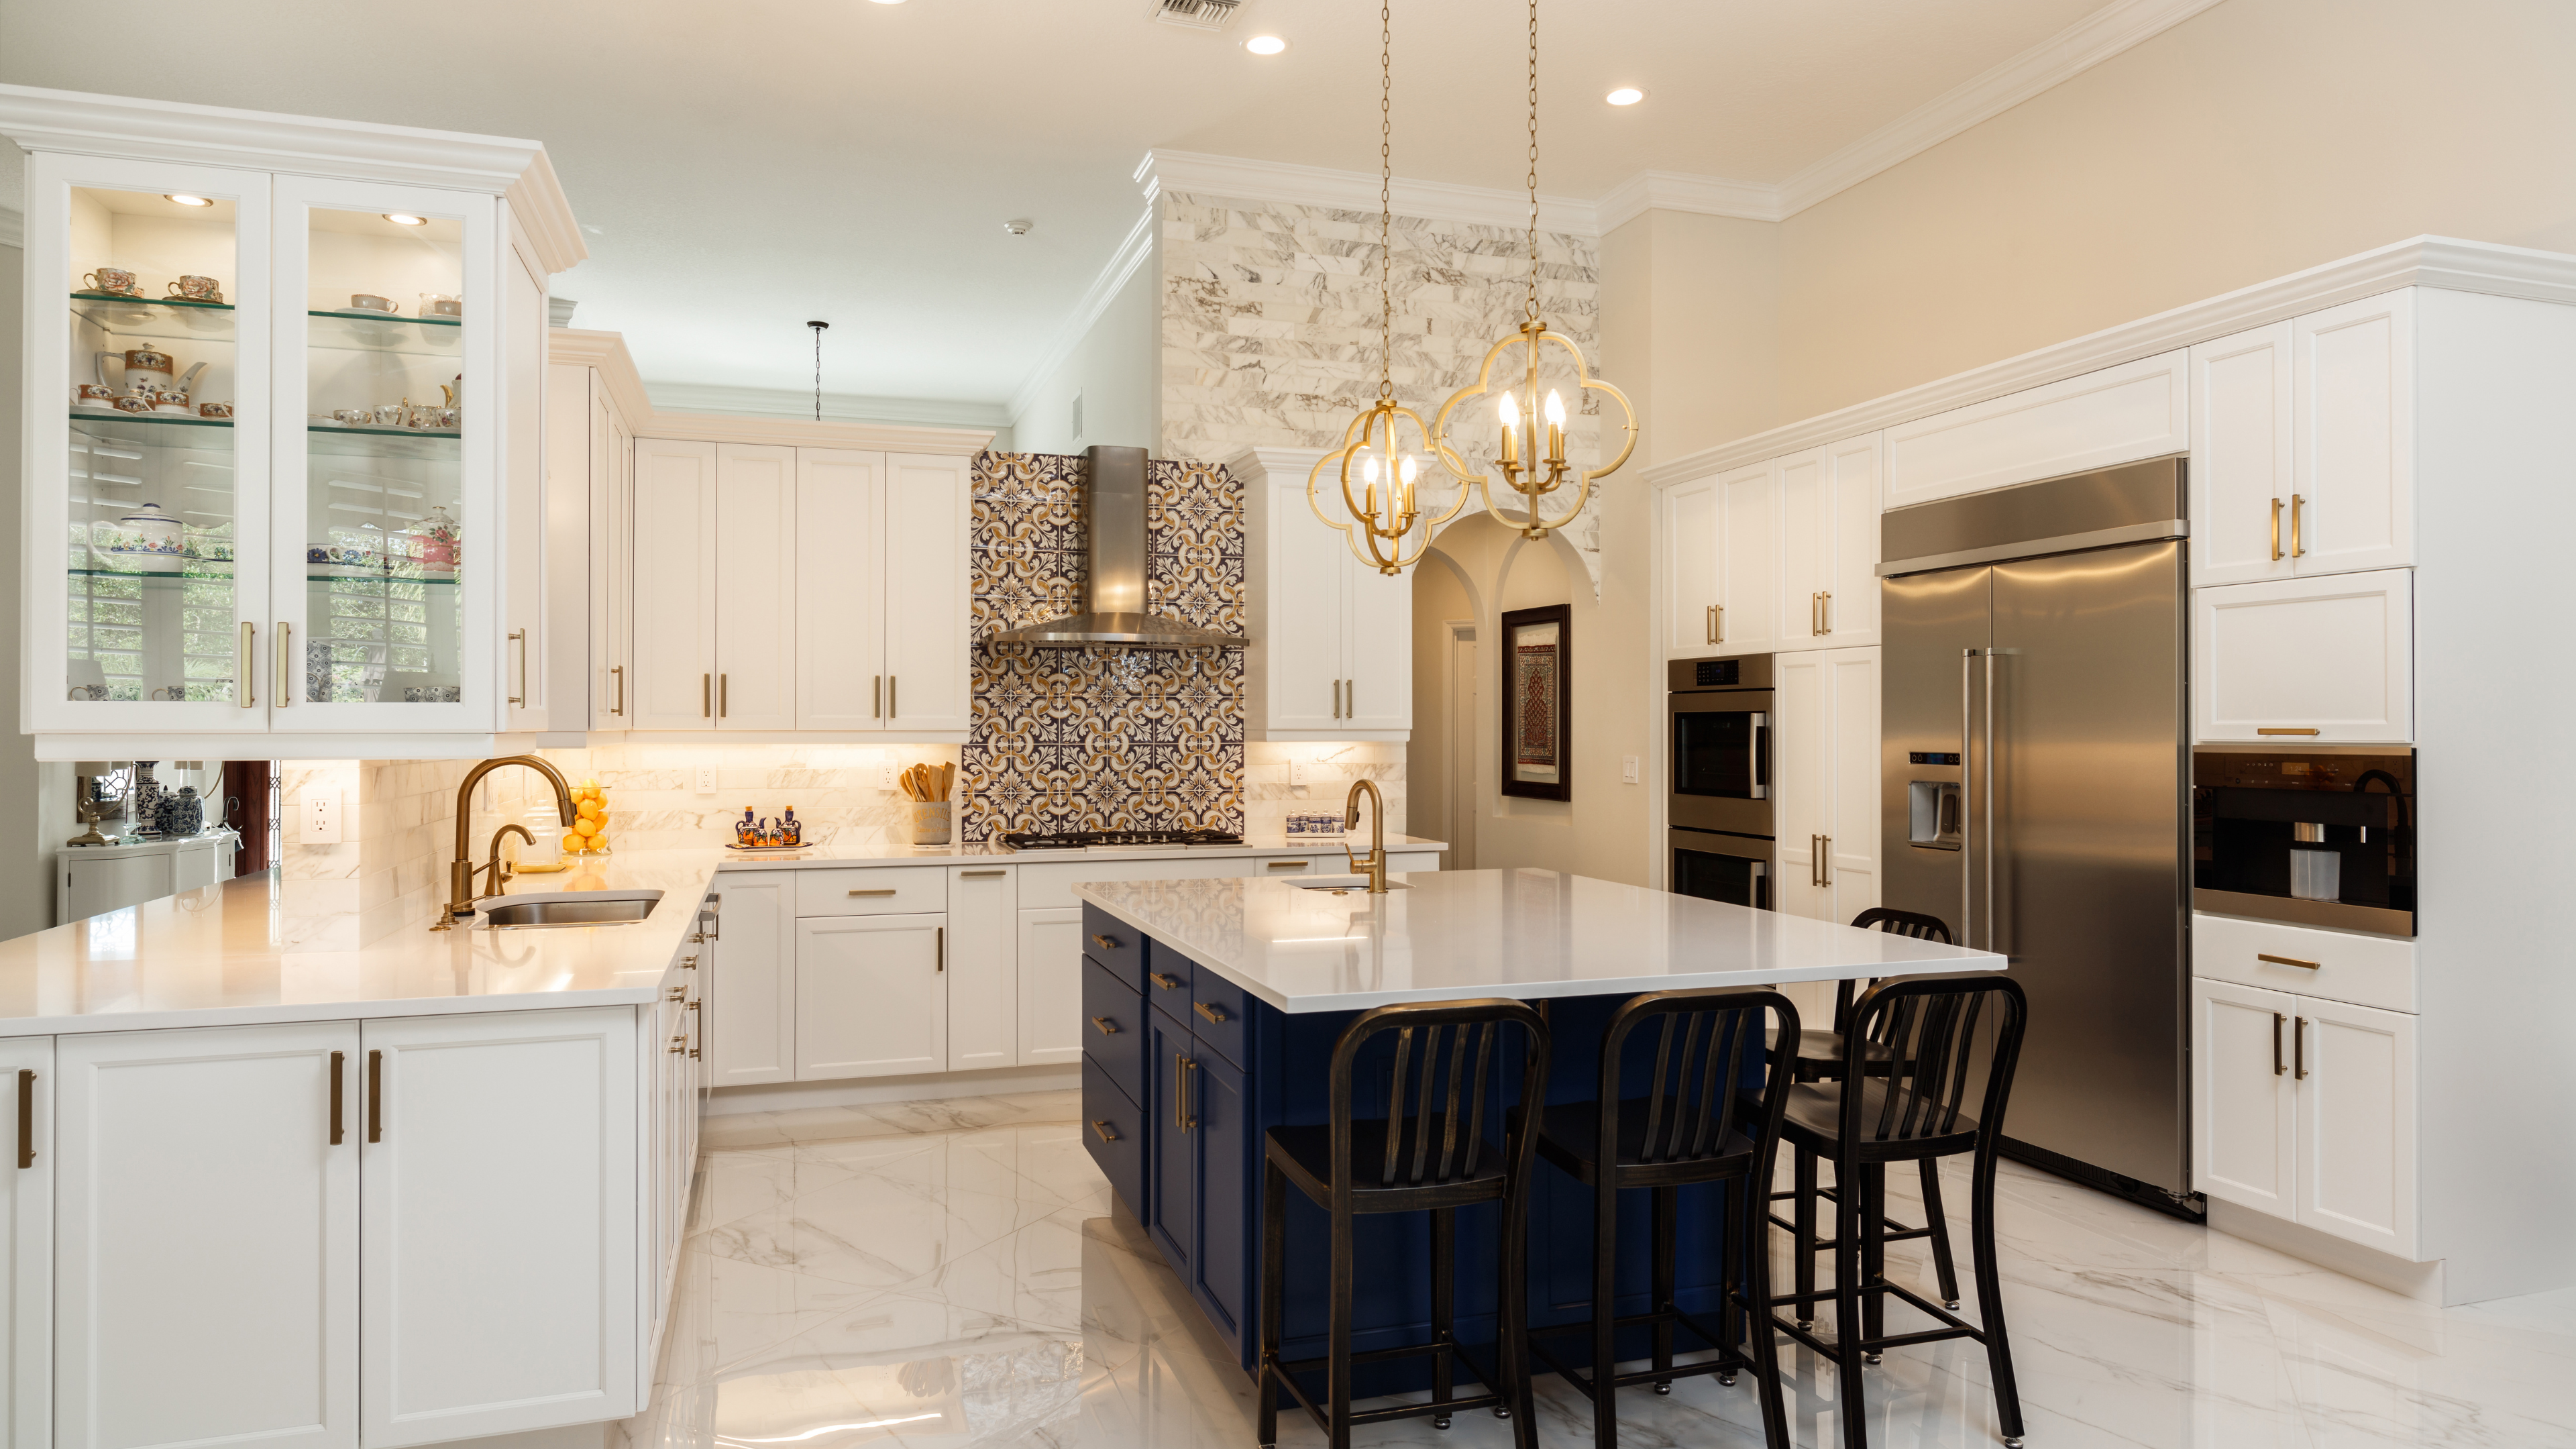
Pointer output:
2321, 837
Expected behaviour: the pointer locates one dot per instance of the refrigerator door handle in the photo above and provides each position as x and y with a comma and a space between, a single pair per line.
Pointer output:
1992, 942
1967, 795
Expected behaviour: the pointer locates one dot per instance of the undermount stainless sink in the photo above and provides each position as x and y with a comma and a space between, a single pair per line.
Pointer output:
571, 908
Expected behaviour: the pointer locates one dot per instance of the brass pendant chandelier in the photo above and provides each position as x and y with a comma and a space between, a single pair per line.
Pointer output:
1383, 513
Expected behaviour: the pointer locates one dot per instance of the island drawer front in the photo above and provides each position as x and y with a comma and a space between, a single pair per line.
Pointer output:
1113, 1131
895, 890
1219, 1012
1108, 940
2333, 965
1113, 1028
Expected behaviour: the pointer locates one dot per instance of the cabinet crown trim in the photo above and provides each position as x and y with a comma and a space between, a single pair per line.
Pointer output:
793, 432
2425, 261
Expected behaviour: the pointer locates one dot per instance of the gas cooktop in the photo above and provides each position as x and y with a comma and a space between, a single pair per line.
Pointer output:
1117, 839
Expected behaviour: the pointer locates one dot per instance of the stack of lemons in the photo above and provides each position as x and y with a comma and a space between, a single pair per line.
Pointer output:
589, 832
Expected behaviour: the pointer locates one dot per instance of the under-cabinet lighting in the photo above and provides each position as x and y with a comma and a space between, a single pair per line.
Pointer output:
1625, 96
402, 218
185, 200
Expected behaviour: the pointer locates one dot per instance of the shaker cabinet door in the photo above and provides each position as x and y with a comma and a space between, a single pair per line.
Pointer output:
1301, 643
1050, 985
2327, 659
984, 973
871, 996
1749, 559
2240, 457
2353, 404
2242, 1129
1172, 1172
27, 1243
928, 616
1801, 782
1690, 565
756, 595
2358, 1145
840, 591
675, 585
750, 970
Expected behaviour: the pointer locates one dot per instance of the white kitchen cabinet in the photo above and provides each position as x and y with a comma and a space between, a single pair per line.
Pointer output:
871, 996
675, 585
2329, 659
1782, 554
983, 976
2122, 414
1826, 773
2240, 457
1829, 545
27, 1241
668, 1153
750, 1003
2353, 435
756, 605
298, 592
1331, 651
840, 663
593, 400
206, 1244
1050, 951
2305, 1109
929, 515
1748, 557
1690, 523
499, 1189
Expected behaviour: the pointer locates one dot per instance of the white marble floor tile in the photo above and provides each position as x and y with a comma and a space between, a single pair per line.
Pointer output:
954, 1275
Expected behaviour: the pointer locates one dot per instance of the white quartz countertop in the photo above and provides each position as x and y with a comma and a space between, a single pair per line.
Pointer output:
820, 856
1524, 934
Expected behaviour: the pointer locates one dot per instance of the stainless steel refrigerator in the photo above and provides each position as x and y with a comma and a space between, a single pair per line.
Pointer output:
2034, 788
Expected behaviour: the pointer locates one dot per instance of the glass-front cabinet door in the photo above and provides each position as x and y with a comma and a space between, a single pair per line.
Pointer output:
384, 458
148, 409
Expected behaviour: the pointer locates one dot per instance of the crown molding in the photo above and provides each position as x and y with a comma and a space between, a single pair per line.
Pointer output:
13, 227
2424, 261
2069, 53
1196, 174
606, 352
677, 421
1681, 191
1123, 263
100, 125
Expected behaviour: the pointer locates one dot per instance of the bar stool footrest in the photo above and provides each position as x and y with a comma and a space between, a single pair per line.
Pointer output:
1287, 1372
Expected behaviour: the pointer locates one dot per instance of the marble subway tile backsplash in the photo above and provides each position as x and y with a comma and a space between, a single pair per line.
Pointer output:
654, 804
1269, 798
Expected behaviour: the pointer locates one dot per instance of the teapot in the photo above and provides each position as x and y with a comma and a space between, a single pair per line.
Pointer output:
147, 370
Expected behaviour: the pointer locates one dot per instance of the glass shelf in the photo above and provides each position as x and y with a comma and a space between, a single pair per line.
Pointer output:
173, 318
321, 442
164, 581
131, 424
380, 332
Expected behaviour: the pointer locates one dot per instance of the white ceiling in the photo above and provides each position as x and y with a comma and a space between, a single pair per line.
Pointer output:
739, 168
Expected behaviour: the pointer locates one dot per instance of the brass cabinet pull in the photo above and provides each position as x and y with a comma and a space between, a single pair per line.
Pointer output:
1811, 861
1825, 860
872, 893
1105, 943
724, 695
2299, 1048
1825, 612
1181, 1113
678, 993
375, 1096
2278, 1066
679, 1044
1350, 699
1289, 864
617, 672
939, 945
2266, 730
2297, 549
520, 638
980, 874
1107, 1027
242, 656
338, 1059
27, 1111
2290, 961
876, 696
1213, 1013
689, 962
891, 710
281, 655
1168, 983
1721, 623
706, 696
1337, 699
2276, 530
1101, 1126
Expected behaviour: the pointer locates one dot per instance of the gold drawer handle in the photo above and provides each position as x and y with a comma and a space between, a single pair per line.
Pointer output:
855, 894
1101, 1126
1212, 1013
2267, 730
1107, 1027
1168, 983
1290, 864
979, 874
1105, 943
2290, 961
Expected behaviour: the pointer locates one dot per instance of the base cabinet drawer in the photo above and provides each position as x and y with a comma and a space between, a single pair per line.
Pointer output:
1113, 1132
1117, 946
2333, 965
1113, 1028
893, 890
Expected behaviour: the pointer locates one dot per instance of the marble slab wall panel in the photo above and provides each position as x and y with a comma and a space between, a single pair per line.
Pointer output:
1268, 798
1270, 323
1103, 738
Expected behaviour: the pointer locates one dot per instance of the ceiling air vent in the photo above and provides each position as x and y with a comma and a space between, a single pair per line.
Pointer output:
1196, 14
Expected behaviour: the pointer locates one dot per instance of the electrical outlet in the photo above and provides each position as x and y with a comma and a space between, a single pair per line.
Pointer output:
1297, 772
706, 779
321, 812
885, 777
1628, 769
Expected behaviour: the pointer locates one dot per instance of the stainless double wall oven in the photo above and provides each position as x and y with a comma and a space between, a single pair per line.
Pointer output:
1720, 735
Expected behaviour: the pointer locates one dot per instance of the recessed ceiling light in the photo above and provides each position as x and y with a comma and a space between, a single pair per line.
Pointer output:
889, 2
186, 200
1265, 45
1625, 96
404, 219
1017, 226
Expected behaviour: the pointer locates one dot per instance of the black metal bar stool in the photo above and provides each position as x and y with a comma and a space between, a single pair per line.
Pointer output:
1820, 1058
1422, 1158
1908, 1107
1691, 1126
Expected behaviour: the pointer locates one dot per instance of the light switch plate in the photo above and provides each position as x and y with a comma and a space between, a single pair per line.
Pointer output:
1296, 772
320, 810
1628, 769
706, 779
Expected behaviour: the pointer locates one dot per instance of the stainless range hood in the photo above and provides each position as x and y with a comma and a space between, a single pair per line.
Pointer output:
1115, 600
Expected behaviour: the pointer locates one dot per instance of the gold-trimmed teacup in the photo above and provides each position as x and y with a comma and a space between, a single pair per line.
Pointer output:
197, 289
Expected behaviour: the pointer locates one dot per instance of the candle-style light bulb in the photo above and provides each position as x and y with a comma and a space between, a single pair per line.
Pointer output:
1511, 416
1404, 505
1555, 427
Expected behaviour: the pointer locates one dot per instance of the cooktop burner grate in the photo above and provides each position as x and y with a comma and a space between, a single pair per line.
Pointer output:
1085, 839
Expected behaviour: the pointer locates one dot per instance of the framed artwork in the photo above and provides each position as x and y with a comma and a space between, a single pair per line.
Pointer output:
1537, 719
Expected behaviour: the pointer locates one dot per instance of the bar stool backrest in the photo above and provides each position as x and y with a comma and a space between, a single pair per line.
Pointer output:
1692, 1104
1445, 1061
1928, 1027
1895, 923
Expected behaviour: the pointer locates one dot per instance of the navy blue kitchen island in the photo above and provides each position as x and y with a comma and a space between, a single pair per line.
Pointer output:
1213, 1007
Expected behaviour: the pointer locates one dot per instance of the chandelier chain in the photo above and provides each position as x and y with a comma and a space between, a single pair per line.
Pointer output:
1533, 159
1385, 200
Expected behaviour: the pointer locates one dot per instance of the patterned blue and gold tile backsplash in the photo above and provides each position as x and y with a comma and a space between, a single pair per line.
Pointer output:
1100, 738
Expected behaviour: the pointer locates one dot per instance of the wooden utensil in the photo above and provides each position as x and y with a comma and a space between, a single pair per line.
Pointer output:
947, 779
